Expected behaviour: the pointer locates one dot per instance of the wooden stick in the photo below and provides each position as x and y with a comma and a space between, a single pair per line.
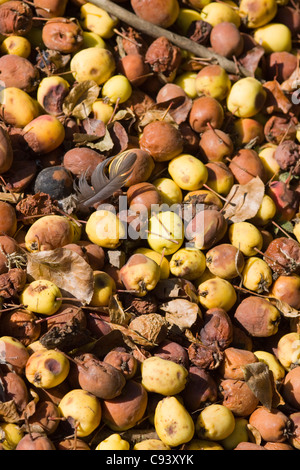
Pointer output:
155, 31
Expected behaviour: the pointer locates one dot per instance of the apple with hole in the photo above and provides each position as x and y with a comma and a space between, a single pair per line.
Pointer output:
82, 410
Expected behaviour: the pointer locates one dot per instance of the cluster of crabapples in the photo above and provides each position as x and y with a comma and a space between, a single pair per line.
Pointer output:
187, 299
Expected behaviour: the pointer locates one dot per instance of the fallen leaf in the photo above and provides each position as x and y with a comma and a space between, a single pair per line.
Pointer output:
9, 412
251, 59
104, 144
179, 107
276, 101
254, 434
116, 312
79, 101
286, 310
65, 268
244, 200
154, 115
181, 312
133, 336
257, 377
176, 288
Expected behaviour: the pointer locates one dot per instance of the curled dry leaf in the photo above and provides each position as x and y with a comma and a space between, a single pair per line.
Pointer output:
79, 101
176, 288
9, 412
286, 310
104, 144
151, 326
257, 377
65, 268
292, 83
153, 115
179, 107
131, 336
116, 312
251, 59
276, 101
254, 434
244, 200
181, 312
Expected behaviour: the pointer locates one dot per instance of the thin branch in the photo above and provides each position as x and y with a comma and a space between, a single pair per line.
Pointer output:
155, 31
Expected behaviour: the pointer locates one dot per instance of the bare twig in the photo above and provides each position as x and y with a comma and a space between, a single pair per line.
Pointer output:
155, 31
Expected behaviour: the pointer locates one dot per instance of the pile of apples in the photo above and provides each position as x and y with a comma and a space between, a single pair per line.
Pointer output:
190, 338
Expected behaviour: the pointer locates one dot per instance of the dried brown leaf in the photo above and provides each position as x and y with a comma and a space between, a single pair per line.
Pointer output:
133, 336
104, 144
176, 288
244, 200
154, 115
9, 412
250, 59
276, 101
65, 268
254, 434
116, 312
179, 107
181, 312
79, 101
257, 377
286, 310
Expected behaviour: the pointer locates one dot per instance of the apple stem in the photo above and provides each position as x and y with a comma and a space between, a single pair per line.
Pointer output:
219, 195
286, 132
162, 224
272, 179
240, 167
47, 10
122, 35
282, 230
127, 291
221, 141
77, 363
114, 111
10, 192
247, 291
40, 18
41, 320
76, 221
161, 236
141, 77
269, 257
67, 299
166, 112
162, 257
